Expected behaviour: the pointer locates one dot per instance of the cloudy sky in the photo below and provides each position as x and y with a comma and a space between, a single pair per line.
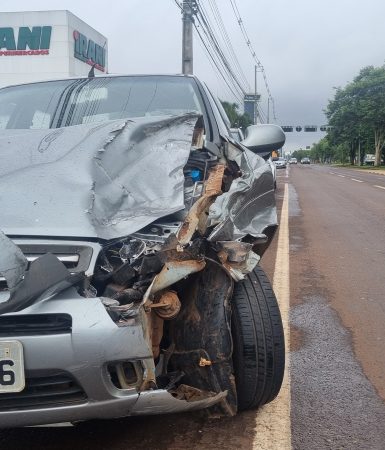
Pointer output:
305, 46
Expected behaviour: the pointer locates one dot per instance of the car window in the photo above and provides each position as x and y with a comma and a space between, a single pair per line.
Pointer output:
6, 110
73, 102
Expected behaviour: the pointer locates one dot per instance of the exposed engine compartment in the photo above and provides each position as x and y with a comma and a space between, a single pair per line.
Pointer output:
174, 275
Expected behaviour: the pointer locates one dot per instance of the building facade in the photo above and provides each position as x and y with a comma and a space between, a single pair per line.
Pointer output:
44, 45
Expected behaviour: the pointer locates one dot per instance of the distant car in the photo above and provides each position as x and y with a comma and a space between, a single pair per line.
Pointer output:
280, 163
305, 161
369, 159
293, 161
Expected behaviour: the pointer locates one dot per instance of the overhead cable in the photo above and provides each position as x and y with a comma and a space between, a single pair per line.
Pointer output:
226, 39
252, 51
220, 70
230, 72
210, 34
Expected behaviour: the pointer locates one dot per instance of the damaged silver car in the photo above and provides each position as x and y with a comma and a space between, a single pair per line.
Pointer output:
132, 227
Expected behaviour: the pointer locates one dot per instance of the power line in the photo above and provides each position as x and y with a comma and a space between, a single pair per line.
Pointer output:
220, 70
215, 54
215, 67
227, 66
204, 22
261, 113
211, 42
226, 39
252, 51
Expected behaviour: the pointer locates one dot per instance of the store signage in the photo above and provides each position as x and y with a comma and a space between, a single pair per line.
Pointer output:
27, 41
89, 52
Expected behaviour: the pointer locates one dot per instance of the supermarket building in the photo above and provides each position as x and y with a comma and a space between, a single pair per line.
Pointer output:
44, 45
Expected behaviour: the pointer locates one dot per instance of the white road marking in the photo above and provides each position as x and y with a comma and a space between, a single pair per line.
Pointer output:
332, 173
342, 176
380, 187
358, 181
273, 424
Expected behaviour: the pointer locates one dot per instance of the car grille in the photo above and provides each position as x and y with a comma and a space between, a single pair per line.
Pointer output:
35, 324
43, 392
75, 257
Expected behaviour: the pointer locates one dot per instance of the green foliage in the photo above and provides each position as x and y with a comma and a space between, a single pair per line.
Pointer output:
244, 121
357, 115
237, 120
325, 152
299, 154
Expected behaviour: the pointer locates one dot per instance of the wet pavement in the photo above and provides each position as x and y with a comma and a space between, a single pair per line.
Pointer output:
334, 406
335, 358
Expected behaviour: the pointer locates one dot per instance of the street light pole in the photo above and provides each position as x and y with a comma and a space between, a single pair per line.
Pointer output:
256, 96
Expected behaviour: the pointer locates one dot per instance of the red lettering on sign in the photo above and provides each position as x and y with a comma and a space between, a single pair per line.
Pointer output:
24, 53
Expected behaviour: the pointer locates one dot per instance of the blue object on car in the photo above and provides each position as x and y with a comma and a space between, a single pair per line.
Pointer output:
196, 175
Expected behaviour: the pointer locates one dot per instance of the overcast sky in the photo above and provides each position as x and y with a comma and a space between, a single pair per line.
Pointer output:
305, 46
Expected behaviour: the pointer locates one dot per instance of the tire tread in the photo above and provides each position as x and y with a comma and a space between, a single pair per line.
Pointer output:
259, 349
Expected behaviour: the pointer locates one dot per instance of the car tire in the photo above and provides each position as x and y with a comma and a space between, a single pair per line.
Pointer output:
258, 340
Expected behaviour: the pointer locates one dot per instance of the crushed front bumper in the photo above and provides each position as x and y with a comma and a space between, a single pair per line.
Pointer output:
84, 354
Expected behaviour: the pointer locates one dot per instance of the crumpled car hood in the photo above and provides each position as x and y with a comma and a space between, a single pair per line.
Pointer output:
96, 180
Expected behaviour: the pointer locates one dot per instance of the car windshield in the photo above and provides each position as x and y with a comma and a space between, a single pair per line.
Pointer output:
64, 103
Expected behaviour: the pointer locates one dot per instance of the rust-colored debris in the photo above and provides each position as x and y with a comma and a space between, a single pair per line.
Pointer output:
190, 394
196, 219
172, 272
203, 362
168, 306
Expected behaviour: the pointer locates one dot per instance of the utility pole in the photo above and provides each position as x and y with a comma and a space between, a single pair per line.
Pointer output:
256, 96
359, 149
189, 9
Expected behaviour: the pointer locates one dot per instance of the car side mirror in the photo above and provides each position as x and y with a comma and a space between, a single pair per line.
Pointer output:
263, 138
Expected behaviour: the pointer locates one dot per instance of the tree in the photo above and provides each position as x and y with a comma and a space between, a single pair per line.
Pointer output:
236, 120
358, 111
299, 154
323, 151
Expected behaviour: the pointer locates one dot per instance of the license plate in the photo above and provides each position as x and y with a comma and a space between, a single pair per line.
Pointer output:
12, 378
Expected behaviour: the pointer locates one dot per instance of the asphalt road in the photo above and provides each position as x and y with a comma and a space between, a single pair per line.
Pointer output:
337, 362
337, 256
